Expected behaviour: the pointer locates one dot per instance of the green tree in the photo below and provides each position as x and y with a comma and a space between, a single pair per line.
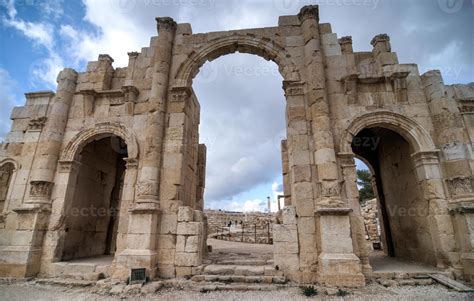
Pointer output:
364, 184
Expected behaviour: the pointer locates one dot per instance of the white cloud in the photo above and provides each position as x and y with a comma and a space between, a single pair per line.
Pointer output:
42, 35
53, 8
7, 101
248, 206
117, 34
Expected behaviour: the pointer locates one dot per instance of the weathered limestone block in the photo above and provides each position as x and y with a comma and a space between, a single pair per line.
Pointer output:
289, 215
280, 247
185, 214
193, 244
285, 233
183, 259
286, 262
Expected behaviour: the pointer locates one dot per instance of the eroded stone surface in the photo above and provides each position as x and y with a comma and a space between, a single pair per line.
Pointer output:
127, 139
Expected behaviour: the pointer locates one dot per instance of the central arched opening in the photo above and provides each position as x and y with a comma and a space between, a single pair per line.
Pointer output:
92, 217
400, 211
242, 124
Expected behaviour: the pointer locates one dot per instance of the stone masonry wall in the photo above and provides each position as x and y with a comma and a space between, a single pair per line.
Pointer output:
332, 93
370, 213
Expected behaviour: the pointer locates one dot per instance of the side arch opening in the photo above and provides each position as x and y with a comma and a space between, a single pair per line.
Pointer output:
92, 214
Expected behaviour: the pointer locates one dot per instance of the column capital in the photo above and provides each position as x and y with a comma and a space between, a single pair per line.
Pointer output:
68, 166
346, 159
309, 12
293, 88
180, 93
131, 163
166, 24
425, 157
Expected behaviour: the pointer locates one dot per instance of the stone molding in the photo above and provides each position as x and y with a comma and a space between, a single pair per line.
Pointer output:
16, 166
293, 88
180, 94
68, 166
95, 131
263, 47
409, 129
333, 211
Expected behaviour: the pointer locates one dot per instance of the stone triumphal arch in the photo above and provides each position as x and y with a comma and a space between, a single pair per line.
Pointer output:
110, 163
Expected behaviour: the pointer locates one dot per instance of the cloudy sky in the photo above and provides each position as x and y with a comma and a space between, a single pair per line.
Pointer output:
242, 120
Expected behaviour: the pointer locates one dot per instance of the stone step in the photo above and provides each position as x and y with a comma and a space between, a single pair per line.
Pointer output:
65, 282
90, 271
241, 270
239, 279
213, 286
242, 261
405, 275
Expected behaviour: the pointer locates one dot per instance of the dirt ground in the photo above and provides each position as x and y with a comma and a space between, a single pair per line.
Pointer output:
29, 290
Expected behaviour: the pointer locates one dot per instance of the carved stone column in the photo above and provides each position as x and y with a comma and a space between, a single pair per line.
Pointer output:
144, 212
49, 144
337, 263
148, 181
455, 155
360, 244
316, 95
442, 232
299, 181
128, 194
65, 187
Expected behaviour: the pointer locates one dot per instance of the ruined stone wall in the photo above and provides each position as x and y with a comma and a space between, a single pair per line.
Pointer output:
370, 213
249, 223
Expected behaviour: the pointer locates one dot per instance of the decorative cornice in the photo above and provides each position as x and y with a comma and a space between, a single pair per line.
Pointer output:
426, 157
293, 88
39, 94
68, 166
345, 40
144, 207
131, 163
33, 208
333, 211
181, 93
